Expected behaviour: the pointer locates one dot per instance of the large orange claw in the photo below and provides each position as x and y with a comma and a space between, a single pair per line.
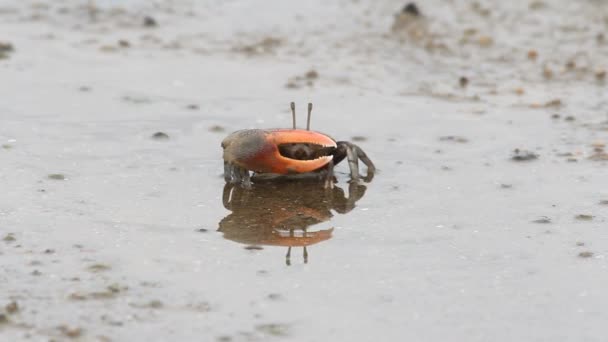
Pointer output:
258, 150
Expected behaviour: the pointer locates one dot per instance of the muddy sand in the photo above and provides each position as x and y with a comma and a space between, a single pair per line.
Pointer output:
486, 220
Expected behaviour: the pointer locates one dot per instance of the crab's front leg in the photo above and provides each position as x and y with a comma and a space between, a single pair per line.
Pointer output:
353, 154
235, 174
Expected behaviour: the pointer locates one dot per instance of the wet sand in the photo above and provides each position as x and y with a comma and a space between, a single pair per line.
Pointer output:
485, 221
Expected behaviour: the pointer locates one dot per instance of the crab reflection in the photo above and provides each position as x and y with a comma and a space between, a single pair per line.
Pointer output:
279, 213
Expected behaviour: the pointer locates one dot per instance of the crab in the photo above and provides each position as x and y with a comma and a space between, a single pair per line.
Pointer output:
289, 152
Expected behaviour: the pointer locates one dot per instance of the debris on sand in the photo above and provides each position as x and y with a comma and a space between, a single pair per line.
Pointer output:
586, 254
542, 220
71, 332
410, 22
96, 268
217, 129
56, 176
599, 156
584, 217
150, 22
463, 81
523, 155
555, 103
6, 49
10, 237
273, 329
299, 81
454, 138
11, 308
265, 46
411, 9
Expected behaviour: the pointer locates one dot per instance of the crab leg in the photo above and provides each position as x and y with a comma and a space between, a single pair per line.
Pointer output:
353, 154
353, 162
245, 177
227, 172
329, 176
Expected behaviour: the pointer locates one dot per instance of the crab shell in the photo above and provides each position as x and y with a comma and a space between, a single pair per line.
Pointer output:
258, 150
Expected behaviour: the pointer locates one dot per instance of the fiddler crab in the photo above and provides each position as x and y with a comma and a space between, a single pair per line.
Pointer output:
290, 152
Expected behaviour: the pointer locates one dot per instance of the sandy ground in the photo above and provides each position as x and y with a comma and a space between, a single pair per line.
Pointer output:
112, 233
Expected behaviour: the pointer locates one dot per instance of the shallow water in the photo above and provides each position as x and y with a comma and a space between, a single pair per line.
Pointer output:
113, 232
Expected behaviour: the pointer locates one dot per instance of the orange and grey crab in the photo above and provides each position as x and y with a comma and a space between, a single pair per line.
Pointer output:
289, 152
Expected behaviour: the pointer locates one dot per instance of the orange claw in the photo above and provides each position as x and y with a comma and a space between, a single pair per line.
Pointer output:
268, 159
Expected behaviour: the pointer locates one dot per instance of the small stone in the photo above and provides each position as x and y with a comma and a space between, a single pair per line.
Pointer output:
604, 202
570, 118
523, 155
3, 319
411, 9
124, 43
275, 296
217, 129
10, 237
547, 72
273, 329
311, 74
536, 5
150, 22
599, 156
463, 81
485, 41
202, 230
532, 55
77, 296
108, 48
586, 254
454, 138
554, 103
98, 268
11, 308
584, 217
155, 304
56, 176
359, 138
253, 248
193, 107
600, 75
580, 244
6, 47
542, 220
160, 136
117, 288
71, 332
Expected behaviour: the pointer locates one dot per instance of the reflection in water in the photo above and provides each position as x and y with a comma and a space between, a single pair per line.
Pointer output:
279, 213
